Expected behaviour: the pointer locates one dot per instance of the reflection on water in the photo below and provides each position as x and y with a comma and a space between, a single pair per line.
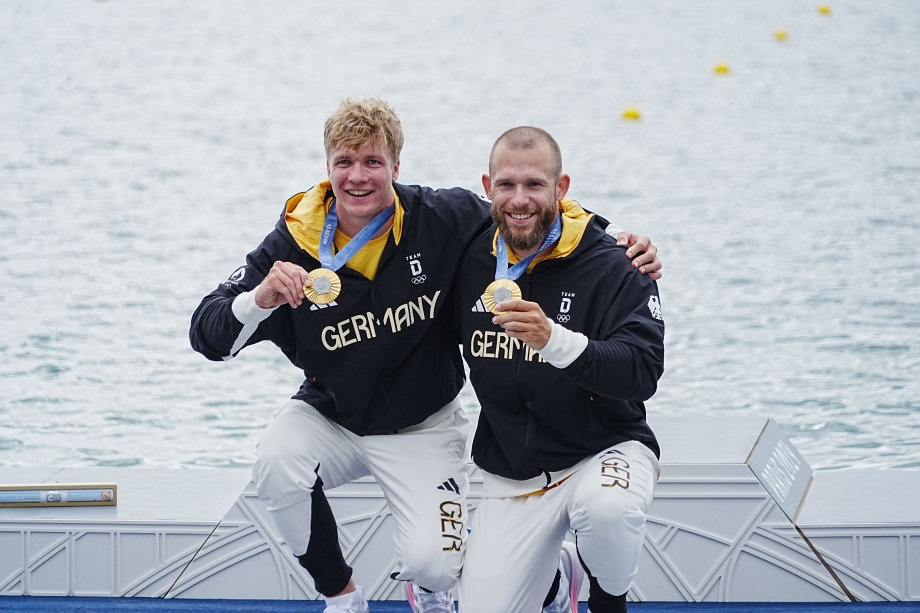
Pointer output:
146, 148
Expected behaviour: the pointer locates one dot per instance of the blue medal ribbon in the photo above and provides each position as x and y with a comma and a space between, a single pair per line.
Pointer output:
327, 238
501, 253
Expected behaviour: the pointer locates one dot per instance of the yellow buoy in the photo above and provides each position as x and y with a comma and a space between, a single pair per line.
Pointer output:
722, 69
631, 113
780, 35
824, 9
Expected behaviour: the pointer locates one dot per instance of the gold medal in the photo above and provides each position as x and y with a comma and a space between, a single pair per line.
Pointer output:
500, 290
325, 286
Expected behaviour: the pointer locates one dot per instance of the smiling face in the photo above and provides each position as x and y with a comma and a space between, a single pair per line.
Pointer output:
525, 193
362, 181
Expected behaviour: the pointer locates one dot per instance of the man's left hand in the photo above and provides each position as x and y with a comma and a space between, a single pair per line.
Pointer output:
642, 252
524, 321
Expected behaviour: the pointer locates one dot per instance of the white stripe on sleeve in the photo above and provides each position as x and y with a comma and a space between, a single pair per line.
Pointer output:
564, 345
250, 315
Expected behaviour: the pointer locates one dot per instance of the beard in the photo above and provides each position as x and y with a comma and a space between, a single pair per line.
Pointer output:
525, 242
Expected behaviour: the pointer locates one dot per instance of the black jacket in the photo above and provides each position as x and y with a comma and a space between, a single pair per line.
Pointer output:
537, 418
385, 355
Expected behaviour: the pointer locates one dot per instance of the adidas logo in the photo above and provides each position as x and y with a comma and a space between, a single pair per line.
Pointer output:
480, 306
316, 307
450, 485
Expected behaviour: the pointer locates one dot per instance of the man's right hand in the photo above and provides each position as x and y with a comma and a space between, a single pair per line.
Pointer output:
283, 284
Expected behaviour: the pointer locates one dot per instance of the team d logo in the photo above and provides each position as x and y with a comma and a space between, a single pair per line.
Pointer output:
415, 267
654, 307
564, 307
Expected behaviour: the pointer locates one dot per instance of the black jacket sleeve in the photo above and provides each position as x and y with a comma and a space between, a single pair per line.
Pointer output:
627, 360
215, 331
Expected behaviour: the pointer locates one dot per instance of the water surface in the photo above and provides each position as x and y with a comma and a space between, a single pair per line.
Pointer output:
145, 147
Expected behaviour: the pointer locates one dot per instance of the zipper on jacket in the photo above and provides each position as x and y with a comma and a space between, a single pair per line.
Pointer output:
375, 304
525, 294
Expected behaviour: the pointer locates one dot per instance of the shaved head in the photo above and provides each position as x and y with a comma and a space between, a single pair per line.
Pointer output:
529, 137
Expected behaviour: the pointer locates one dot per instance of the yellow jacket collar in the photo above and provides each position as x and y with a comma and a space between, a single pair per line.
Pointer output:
305, 214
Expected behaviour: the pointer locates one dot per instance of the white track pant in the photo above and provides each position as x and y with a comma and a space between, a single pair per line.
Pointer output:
422, 474
513, 551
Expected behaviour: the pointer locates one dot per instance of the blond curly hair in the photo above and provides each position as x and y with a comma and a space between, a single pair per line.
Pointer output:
356, 123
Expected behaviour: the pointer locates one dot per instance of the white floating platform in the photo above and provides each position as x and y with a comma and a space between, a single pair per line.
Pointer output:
738, 515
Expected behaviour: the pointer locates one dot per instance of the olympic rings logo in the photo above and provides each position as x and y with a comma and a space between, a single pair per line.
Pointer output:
562, 318
419, 279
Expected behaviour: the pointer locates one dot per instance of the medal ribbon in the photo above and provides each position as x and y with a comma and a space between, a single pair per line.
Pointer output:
326, 259
501, 253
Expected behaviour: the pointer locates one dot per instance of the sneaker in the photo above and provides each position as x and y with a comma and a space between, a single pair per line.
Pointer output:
423, 601
571, 576
353, 602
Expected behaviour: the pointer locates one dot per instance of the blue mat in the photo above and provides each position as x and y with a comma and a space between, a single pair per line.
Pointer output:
66, 604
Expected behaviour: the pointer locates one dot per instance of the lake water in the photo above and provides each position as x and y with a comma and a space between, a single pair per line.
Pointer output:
146, 146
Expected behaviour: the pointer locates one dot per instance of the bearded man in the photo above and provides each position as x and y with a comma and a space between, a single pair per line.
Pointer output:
564, 340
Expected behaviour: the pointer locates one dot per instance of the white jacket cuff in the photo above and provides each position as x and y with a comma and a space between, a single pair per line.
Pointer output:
613, 229
564, 345
247, 311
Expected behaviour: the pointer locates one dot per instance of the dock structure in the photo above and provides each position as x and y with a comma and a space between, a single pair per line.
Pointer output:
738, 516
